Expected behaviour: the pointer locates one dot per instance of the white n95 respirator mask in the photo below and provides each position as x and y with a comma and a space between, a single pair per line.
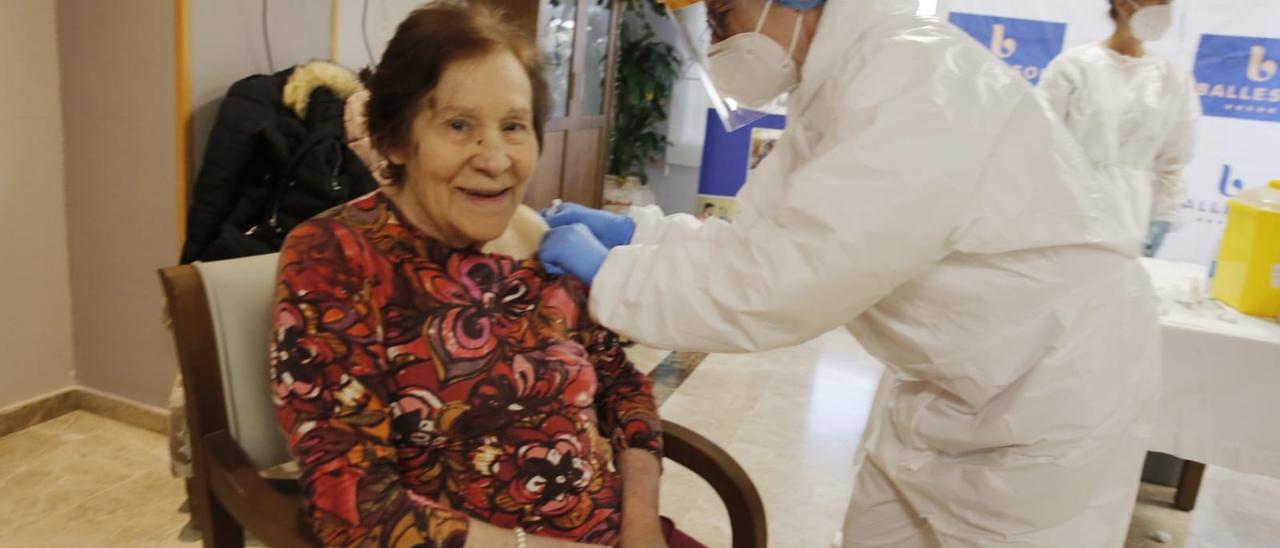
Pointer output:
1150, 23
752, 68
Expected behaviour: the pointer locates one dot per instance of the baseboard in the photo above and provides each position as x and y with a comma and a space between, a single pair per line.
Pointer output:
121, 409
37, 410
40, 409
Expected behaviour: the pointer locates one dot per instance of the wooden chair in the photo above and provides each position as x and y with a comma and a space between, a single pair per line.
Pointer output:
221, 320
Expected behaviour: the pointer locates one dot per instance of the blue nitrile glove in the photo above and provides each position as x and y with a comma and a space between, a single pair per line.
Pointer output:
574, 250
611, 229
1155, 236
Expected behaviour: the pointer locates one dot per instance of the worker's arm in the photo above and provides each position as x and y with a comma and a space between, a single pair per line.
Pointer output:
877, 205
653, 226
1058, 86
1171, 188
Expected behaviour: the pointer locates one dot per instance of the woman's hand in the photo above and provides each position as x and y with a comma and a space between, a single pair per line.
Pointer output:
485, 535
544, 542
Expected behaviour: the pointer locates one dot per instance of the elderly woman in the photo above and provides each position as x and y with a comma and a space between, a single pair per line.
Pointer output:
435, 394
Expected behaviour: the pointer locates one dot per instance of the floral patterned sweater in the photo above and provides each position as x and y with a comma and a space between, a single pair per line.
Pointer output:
419, 385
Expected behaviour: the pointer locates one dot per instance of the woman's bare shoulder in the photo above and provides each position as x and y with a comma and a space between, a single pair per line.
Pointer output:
523, 236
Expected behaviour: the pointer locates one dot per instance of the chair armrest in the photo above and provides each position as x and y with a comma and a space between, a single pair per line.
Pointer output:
278, 521
713, 464
273, 518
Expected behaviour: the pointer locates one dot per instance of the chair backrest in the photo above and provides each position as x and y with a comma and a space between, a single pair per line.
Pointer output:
239, 293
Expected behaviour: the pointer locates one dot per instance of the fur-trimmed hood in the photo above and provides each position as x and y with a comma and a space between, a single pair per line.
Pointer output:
306, 78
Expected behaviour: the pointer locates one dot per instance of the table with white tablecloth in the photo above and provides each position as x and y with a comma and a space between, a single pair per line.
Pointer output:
1221, 386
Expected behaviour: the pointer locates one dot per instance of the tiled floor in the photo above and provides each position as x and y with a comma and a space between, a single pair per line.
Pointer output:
1234, 511
792, 418
81, 480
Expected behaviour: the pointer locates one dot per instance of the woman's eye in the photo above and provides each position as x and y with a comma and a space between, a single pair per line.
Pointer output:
514, 127
458, 125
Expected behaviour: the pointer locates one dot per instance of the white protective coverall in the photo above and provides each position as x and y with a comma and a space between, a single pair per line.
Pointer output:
1136, 119
927, 198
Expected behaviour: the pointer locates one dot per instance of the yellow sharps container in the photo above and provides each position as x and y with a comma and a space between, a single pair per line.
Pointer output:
1248, 273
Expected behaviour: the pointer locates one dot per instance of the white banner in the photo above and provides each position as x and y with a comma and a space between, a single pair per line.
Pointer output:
1232, 47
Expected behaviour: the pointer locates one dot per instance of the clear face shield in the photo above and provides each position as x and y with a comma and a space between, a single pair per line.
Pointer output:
697, 32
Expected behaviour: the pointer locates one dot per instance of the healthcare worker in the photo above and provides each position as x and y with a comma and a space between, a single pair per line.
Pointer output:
924, 196
1134, 113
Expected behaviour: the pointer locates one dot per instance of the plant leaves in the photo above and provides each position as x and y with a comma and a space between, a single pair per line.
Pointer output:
647, 68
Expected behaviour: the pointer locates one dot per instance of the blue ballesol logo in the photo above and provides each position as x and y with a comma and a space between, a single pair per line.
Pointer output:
1239, 77
1026, 45
1229, 186
1214, 211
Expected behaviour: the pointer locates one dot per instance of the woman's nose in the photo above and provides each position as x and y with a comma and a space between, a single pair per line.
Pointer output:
492, 159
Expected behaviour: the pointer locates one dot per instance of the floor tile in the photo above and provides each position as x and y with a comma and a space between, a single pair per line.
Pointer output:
1235, 510
88, 481
792, 418
644, 358
1155, 513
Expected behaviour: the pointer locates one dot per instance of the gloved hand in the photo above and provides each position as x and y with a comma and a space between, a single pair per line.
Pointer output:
1156, 232
574, 250
610, 229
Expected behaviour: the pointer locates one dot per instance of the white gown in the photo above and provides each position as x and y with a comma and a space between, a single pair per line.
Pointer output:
924, 196
1135, 118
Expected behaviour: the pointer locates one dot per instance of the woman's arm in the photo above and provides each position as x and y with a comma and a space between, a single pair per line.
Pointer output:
641, 474
629, 416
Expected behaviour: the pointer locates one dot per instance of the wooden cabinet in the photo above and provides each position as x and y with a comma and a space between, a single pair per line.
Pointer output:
579, 44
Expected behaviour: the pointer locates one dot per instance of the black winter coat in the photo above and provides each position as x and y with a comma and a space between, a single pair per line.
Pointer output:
266, 170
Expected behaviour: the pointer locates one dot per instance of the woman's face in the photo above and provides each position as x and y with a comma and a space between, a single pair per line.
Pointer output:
731, 17
1128, 7
473, 149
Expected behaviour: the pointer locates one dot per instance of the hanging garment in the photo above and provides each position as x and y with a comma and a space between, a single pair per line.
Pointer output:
277, 156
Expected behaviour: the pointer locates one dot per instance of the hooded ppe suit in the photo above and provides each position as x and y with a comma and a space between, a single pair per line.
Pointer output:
1136, 119
924, 196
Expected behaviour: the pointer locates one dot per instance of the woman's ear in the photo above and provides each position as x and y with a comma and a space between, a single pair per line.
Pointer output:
396, 156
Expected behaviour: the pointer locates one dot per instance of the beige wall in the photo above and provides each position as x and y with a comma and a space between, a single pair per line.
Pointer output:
227, 44
35, 326
118, 106
88, 220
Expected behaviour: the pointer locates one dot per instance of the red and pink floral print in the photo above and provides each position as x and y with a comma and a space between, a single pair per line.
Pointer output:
420, 385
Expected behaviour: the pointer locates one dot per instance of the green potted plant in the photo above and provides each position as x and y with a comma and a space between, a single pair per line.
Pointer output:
647, 69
